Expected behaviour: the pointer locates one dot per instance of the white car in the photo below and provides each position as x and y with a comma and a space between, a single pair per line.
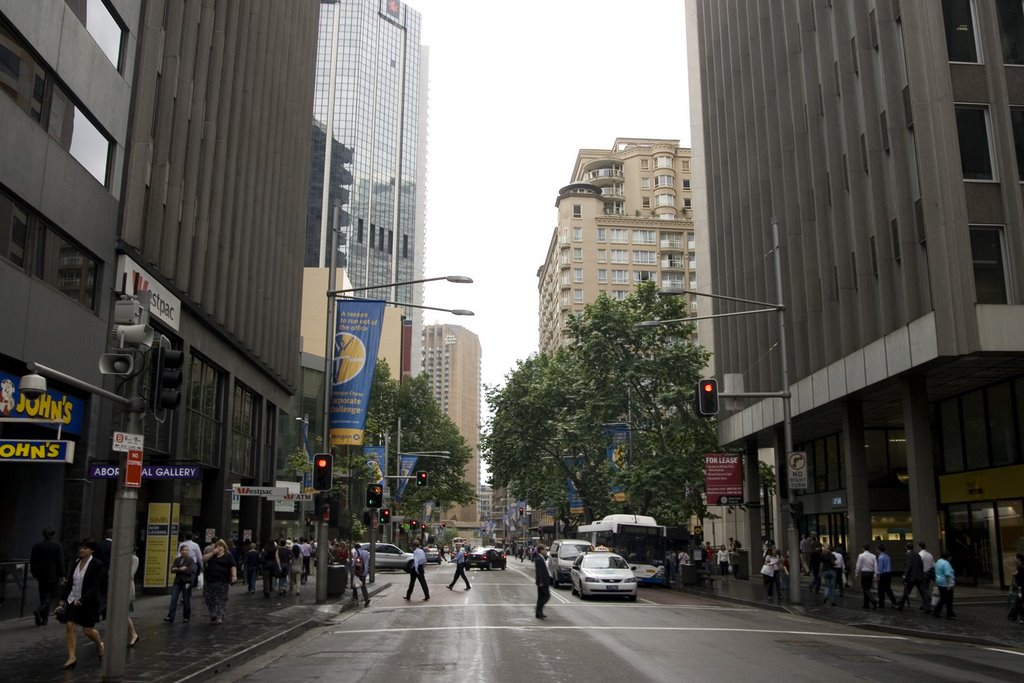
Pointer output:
602, 573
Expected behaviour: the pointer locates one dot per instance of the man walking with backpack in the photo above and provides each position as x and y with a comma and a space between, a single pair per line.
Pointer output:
360, 570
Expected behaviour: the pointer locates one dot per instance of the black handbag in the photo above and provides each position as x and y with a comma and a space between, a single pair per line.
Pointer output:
61, 612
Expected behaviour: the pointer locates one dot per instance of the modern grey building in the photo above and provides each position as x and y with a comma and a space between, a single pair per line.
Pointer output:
152, 146
378, 147
885, 137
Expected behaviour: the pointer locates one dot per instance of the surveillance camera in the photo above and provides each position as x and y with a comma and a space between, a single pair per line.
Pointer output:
33, 386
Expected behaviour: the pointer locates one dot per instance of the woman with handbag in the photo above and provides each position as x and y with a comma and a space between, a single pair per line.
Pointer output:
221, 573
770, 571
81, 603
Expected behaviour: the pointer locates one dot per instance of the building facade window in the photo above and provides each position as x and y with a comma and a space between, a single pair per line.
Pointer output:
663, 162
620, 256
663, 181
602, 276
618, 236
975, 145
988, 261
1011, 30
602, 235
577, 211
665, 200
244, 432
602, 256
203, 412
686, 183
35, 88
645, 237
39, 249
620, 277
99, 21
577, 254
1017, 121
961, 30
645, 275
577, 234
645, 183
643, 257
577, 275
577, 296
645, 202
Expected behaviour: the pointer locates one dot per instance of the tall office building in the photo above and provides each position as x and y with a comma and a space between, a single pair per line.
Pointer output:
151, 146
881, 136
625, 217
451, 356
377, 149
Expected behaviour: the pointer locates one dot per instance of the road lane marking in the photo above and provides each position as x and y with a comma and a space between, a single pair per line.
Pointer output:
768, 631
1007, 652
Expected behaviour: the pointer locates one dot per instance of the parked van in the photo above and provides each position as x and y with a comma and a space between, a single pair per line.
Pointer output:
562, 554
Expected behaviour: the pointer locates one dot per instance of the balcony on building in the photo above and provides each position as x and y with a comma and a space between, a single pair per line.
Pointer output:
603, 173
672, 284
673, 263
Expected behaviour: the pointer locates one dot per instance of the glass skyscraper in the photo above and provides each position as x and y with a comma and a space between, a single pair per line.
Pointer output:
378, 138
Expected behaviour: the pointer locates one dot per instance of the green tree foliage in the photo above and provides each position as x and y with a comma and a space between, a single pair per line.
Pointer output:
424, 427
549, 423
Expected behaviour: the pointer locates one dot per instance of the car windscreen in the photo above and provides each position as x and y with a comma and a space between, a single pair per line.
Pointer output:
570, 550
592, 561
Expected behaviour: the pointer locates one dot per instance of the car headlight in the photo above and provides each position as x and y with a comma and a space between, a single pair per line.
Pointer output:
631, 579
591, 579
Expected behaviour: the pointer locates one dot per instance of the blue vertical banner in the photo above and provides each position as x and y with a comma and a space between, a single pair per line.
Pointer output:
307, 477
356, 338
375, 461
406, 463
618, 454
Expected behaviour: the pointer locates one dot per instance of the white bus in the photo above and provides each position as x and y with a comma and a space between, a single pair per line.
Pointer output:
637, 538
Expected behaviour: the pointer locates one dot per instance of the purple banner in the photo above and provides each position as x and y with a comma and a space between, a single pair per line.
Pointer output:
109, 470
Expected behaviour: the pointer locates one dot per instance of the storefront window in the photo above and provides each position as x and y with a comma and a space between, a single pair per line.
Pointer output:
975, 436
1011, 534
952, 448
1000, 425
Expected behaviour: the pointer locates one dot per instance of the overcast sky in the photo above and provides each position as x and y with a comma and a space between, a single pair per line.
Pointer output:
516, 89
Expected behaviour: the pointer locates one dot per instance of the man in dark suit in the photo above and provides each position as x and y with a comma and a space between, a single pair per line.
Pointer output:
47, 566
540, 563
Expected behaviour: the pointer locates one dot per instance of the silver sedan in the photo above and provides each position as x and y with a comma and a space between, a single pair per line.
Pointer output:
602, 573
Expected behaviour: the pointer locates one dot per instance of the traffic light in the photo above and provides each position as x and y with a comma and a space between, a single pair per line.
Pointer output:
167, 390
442, 524
707, 397
421, 478
323, 477
374, 496
522, 511
414, 524
385, 515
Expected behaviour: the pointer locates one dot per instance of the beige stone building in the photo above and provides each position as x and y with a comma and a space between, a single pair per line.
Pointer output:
451, 356
624, 218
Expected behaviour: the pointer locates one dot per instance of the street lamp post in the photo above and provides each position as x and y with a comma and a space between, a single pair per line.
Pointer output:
332, 296
793, 536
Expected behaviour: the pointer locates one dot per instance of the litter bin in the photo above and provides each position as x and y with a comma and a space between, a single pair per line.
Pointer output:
337, 580
743, 570
688, 574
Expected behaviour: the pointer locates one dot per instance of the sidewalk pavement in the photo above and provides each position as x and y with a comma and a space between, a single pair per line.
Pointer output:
980, 612
176, 652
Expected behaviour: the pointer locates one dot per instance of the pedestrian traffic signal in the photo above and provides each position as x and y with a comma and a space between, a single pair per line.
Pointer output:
707, 397
167, 389
385, 515
414, 524
421, 478
522, 511
374, 496
323, 477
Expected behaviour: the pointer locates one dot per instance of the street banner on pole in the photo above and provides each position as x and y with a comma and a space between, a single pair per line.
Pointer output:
356, 338
406, 464
723, 475
375, 461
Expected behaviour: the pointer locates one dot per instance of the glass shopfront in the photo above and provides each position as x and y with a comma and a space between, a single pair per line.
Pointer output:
983, 538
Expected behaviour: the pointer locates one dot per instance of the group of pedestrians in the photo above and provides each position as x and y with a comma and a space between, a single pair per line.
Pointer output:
77, 594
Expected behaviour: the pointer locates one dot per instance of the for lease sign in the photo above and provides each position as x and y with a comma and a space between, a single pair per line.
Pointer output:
723, 474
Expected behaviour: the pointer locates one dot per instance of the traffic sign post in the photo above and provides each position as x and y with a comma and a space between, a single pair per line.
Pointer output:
133, 469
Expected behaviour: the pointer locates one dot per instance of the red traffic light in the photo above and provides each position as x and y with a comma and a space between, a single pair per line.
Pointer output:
442, 524
708, 387
321, 462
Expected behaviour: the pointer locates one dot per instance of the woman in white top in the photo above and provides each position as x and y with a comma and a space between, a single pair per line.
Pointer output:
82, 600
